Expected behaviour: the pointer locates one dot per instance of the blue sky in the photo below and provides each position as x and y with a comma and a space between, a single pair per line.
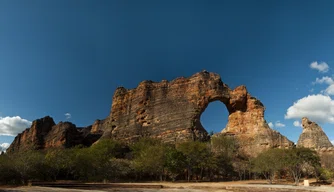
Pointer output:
59, 57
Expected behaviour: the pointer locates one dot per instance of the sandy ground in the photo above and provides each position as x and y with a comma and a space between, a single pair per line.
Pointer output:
239, 186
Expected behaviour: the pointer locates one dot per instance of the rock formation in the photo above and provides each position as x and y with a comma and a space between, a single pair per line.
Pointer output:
44, 133
246, 122
313, 136
167, 110
171, 111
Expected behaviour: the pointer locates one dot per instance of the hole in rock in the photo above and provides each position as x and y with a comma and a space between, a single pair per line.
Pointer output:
214, 118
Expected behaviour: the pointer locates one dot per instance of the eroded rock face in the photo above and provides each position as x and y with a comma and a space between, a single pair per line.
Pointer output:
171, 111
246, 122
313, 136
33, 137
44, 134
97, 127
166, 110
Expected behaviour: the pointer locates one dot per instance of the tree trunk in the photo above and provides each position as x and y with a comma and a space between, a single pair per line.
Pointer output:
189, 174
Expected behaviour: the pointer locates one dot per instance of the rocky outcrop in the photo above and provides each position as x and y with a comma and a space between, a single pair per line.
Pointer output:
246, 122
171, 111
44, 134
313, 136
167, 110
97, 127
33, 137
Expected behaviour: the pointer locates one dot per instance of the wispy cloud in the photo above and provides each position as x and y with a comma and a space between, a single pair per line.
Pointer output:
325, 79
68, 115
321, 67
279, 124
297, 124
13, 125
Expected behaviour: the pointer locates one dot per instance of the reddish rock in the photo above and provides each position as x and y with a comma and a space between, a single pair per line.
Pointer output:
44, 134
246, 122
167, 110
171, 111
33, 137
97, 126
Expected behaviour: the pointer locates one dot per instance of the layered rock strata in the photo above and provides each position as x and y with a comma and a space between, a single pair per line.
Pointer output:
171, 111
167, 110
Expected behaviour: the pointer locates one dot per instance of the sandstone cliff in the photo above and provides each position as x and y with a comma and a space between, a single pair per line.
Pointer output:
44, 133
313, 136
246, 122
171, 111
167, 110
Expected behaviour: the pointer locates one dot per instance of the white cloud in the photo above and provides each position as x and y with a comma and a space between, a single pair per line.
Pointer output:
13, 125
326, 80
4, 146
330, 90
332, 141
321, 67
297, 124
318, 108
68, 115
279, 124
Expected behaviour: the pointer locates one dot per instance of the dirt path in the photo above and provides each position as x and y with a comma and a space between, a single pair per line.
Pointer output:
236, 186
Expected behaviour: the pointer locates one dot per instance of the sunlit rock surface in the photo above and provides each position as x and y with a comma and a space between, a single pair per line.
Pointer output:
167, 110
313, 136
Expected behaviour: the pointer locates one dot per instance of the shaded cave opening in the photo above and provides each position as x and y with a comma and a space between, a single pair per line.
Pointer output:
214, 118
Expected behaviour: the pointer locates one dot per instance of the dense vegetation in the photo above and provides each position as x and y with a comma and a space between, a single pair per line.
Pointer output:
150, 159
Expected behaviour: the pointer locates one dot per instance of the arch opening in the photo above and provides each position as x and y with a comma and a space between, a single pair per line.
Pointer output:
214, 118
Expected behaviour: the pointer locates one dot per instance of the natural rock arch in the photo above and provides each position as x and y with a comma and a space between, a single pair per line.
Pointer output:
167, 110
171, 111
214, 117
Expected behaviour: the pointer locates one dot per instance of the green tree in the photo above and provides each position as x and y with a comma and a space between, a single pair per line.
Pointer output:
115, 169
104, 152
8, 172
28, 164
196, 155
225, 149
241, 165
296, 159
83, 164
149, 157
224, 145
175, 162
268, 163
